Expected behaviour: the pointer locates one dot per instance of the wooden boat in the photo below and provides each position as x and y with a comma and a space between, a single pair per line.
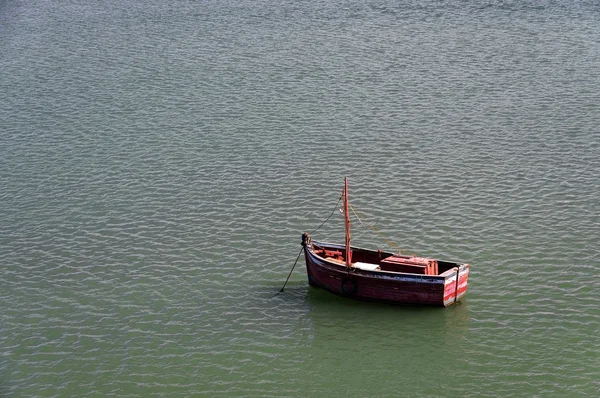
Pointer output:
382, 276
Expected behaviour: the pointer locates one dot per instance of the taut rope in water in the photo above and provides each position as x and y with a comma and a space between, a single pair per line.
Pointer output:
295, 262
290, 274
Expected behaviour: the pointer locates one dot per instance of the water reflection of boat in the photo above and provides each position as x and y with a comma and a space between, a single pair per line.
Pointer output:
382, 276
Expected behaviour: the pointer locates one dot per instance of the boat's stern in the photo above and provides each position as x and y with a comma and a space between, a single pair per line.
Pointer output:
456, 283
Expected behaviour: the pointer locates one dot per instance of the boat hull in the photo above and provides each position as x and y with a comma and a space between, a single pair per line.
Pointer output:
392, 287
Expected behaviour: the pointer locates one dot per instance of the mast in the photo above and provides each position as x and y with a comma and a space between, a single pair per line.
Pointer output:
347, 215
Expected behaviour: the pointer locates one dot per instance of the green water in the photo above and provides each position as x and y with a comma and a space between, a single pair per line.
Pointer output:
159, 162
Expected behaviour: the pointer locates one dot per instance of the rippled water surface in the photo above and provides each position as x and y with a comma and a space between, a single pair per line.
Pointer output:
160, 160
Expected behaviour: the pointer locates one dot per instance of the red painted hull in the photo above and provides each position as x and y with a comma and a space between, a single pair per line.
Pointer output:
334, 276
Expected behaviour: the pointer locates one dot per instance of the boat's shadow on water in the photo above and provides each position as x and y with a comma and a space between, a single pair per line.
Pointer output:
330, 315
321, 307
318, 299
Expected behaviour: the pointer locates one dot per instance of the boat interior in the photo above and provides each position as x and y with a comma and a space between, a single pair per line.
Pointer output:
377, 260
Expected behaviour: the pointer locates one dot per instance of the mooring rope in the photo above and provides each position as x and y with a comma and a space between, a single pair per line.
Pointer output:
292, 270
295, 262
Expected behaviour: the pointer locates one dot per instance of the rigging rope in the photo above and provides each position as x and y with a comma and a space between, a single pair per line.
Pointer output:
334, 209
361, 223
367, 227
379, 234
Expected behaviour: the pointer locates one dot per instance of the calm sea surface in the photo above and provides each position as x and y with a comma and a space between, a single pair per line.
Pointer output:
159, 161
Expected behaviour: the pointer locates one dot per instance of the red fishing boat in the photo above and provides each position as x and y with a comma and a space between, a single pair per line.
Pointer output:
382, 276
